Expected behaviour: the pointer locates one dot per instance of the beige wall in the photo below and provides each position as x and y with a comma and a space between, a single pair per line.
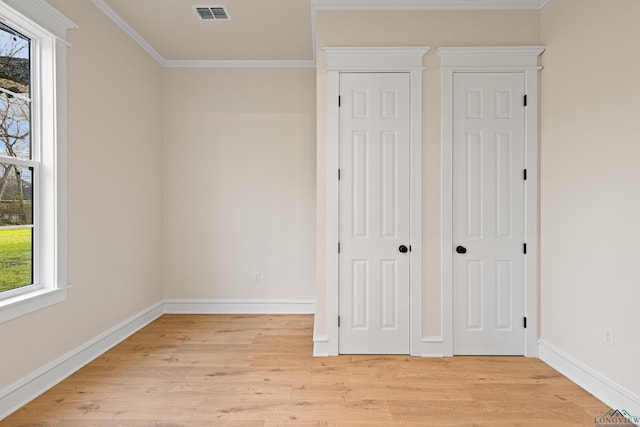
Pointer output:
239, 184
422, 28
114, 192
235, 191
590, 184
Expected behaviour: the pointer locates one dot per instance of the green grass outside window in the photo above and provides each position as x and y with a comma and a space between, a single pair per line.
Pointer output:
15, 258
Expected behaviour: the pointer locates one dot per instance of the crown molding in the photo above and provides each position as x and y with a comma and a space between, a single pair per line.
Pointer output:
173, 63
315, 6
428, 4
240, 63
128, 29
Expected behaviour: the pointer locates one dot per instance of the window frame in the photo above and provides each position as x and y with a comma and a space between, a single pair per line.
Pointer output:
47, 29
32, 162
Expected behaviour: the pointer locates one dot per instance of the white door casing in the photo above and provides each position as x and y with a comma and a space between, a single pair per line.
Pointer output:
371, 59
507, 59
374, 213
488, 213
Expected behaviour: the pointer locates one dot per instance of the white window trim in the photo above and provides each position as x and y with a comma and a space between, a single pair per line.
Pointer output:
49, 27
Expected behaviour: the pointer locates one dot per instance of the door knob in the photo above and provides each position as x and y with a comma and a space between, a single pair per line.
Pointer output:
403, 249
461, 250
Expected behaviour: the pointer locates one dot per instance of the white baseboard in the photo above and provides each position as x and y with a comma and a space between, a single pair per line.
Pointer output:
16, 395
239, 307
609, 392
433, 346
321, 347
428, 347
28, 388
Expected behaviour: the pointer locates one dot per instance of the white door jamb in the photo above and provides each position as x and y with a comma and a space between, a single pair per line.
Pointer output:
522, 59
373, 59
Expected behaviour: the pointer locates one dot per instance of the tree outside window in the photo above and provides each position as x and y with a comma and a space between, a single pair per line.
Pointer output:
17, 164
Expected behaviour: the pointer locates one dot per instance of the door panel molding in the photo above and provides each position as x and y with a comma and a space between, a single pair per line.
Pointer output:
374, 213
373, 59
488, 216
512, 59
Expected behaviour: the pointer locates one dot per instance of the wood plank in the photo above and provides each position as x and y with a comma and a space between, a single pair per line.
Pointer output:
257, 371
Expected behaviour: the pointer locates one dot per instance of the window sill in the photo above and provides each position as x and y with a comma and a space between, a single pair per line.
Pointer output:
20, 305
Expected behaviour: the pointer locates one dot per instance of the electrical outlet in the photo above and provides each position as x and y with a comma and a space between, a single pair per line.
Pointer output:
256, 275
609, 338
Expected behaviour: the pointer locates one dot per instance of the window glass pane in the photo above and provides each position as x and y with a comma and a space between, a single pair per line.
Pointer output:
16, 195
15, 127
16, 262
15, 104
15, 74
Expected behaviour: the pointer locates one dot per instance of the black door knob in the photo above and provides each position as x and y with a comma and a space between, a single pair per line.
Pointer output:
403, 249
461, 250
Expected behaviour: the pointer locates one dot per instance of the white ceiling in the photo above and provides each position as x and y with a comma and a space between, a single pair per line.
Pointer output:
257, 30
259, 33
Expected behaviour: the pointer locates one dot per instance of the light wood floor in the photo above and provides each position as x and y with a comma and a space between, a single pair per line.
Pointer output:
246, 371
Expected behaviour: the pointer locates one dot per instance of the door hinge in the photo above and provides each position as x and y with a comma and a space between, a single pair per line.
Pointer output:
524, 322
524, 248
338, 321
524, 174
409, 248
338, 174
525, 100
338, 247
339, 101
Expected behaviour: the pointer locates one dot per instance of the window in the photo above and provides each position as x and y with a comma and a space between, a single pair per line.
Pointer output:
17, 164
32, 157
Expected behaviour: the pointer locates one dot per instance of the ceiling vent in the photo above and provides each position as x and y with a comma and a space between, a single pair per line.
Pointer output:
212, 13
